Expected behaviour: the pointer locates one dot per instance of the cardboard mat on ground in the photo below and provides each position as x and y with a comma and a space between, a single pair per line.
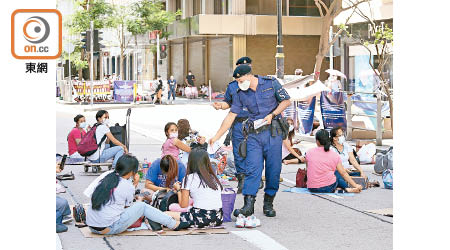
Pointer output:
167, 232
385, 211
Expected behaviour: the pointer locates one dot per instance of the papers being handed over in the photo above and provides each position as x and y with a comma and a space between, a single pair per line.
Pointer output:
212, 149
259, 123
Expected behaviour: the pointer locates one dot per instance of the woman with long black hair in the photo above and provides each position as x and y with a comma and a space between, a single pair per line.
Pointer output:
205, 189
110, 211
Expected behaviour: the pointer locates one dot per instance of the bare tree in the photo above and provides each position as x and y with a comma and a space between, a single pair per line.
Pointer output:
328, 14
381, 37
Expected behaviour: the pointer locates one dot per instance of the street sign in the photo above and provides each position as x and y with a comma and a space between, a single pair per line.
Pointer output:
69, 47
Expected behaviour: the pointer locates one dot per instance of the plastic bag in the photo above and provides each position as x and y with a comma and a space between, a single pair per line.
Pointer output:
366, 153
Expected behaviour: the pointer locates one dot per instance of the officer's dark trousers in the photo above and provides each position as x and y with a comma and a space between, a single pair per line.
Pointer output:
262, 147
236, 139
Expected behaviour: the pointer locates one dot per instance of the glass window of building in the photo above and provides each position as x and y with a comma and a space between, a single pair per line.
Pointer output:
221, 7
305, 7
197, 7
263, 7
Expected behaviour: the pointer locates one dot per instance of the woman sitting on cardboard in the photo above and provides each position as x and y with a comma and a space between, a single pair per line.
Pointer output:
345, 151
325, 172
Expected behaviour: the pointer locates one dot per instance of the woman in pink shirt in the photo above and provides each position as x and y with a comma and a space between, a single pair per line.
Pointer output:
173, 145
325, 172
75, 136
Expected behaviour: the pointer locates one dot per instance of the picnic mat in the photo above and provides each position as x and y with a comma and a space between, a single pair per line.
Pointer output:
385, 211
306, 191
167, 232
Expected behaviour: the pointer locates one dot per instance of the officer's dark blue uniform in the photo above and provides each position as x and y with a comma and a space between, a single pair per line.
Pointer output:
261, 146
236, 129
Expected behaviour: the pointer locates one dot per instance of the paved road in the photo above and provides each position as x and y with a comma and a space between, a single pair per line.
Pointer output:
303, 221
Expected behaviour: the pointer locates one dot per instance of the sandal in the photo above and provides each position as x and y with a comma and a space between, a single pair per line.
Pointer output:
373, 184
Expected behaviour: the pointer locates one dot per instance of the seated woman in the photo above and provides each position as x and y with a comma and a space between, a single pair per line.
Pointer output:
75, 136
111, 211
104, 136
164, 172
340, 146
325, 172
173, 145
205, 189
289, 154
189, 137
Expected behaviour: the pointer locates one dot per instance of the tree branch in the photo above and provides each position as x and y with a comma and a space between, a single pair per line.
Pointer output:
354, 5
318, 6
324, 6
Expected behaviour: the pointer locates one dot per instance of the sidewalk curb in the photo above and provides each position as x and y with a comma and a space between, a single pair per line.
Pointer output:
117, 106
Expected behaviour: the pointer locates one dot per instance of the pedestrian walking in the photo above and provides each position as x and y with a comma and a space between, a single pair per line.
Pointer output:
172, 88
235, 132
265, 99
191, 90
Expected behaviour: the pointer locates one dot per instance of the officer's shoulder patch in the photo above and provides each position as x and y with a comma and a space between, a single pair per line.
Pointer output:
268, 77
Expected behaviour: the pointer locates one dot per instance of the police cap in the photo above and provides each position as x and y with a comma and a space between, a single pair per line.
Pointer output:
241, 70
243, 60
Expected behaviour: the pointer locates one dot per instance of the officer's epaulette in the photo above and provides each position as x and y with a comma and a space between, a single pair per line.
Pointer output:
268, 77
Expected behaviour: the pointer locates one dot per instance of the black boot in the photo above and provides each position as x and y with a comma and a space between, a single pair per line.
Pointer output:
248, 208
268, 206
240, 178
261, 184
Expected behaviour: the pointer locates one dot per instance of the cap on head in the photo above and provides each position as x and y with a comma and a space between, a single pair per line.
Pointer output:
241, 70
243, 60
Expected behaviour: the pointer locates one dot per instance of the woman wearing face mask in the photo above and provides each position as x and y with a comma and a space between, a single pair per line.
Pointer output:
288, 153
345, 152
104, 136
173, 145
111, 210
75, 135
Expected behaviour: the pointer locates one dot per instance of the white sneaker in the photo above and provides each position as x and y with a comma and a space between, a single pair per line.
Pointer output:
252, 222
240, 221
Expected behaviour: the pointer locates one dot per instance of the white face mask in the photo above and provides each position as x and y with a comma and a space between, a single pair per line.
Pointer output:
106, 121
291, 127
341, 139
244, 85
173, 135
83, 125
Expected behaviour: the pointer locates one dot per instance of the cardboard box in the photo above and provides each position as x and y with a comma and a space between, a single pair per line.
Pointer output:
365, 134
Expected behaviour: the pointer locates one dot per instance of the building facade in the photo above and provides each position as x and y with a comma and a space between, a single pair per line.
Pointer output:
212, 34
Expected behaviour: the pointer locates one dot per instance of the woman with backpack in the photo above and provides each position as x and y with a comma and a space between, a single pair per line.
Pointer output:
325, 172
75, 135
103, 136
340, 146
111, 211
205, 189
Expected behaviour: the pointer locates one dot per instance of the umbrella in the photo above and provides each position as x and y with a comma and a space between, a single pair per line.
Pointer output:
335, 72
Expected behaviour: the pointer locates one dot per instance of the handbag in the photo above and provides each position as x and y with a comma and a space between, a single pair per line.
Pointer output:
163, 198
138, 223
300, 178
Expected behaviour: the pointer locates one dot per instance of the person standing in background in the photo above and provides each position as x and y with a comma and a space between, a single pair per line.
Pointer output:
172, 88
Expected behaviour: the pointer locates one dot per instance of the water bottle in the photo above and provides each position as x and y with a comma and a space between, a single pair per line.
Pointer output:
145, 166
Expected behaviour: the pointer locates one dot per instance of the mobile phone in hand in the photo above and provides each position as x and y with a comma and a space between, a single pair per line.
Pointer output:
63, 161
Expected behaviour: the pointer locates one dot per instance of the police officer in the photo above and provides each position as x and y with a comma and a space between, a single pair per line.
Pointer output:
265, 99
236, 128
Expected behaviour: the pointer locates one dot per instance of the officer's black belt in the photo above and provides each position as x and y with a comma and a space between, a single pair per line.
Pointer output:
259, 130
240, 119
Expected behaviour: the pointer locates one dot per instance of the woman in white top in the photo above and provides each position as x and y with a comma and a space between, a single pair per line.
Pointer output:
112, 209
288, 153
205, 189
345, 151
103, 136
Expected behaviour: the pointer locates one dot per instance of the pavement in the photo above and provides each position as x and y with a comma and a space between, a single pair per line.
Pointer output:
303, 221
